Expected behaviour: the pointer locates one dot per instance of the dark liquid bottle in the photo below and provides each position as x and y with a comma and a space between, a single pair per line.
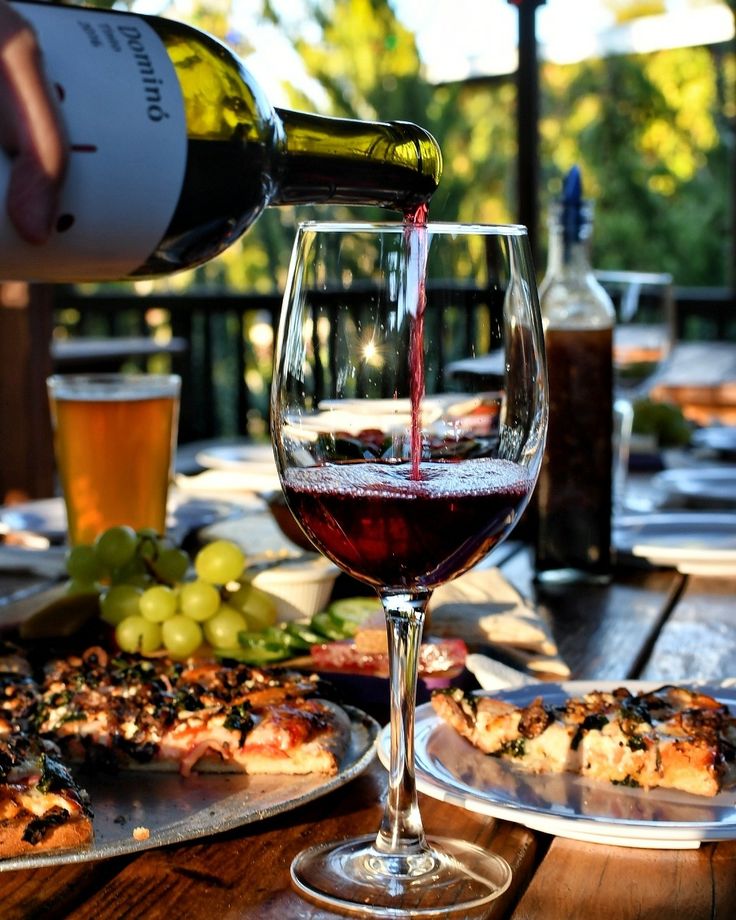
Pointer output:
174, 150
573, 495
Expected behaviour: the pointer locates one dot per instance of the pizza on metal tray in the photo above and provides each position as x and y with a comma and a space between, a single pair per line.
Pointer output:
122, 711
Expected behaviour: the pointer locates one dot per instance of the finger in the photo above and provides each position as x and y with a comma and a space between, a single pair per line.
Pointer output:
32, 135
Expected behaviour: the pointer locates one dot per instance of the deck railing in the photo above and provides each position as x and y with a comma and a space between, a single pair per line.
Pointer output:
226, 364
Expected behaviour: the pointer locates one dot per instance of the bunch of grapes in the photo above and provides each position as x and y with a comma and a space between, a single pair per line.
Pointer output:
144, 595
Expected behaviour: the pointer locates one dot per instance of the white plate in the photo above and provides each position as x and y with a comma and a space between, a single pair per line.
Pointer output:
47, 517
708, 487
176, 808
235, 468
250, 457
356, 415
450, 769
696, 542
718, 438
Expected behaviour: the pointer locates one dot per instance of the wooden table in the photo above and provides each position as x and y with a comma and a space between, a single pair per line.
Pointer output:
647, 624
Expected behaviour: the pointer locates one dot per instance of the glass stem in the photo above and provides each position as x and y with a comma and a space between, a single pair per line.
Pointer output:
401, 833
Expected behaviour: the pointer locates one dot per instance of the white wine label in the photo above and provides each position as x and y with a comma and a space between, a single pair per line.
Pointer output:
124, 115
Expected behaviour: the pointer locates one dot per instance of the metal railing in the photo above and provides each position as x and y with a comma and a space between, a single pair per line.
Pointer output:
226, 364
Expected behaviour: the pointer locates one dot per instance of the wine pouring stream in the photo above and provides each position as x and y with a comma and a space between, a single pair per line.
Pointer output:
406, 477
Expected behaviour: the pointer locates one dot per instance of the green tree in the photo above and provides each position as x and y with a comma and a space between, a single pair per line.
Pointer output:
645, 129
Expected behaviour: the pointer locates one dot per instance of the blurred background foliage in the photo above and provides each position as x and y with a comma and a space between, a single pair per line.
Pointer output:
653, 134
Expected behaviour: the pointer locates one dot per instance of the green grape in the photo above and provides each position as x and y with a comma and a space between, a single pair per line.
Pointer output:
220, 562
80, 586
258, 608
199, 600
137, 634
133, 572
181, 635
119, 603
82, 564
149, 533
221, 630
171, 564
116, 546
148, 544
158, 603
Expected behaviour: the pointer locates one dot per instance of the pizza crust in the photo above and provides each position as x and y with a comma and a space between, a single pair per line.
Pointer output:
75, 832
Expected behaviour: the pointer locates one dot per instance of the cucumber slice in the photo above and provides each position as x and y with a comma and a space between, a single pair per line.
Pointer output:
252, 654
303, 635
355, 609
331, 628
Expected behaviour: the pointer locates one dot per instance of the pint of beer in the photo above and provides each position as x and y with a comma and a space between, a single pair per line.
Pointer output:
114, 441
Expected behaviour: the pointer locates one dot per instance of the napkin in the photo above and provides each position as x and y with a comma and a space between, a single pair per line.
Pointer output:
495, 675
484, 609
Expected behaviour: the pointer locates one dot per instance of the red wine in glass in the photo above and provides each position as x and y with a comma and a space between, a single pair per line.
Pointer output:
389, 527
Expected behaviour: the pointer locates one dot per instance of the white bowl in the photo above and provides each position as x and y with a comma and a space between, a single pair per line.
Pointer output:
300, 587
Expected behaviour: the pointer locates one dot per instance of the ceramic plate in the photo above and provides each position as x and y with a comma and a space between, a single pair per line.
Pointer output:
704, 487
175, 808
450, 769
695, 542
235, 468
721, 439
47, 517
251, 457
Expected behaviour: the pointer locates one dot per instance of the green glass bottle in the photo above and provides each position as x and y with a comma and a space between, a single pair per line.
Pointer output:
174, 150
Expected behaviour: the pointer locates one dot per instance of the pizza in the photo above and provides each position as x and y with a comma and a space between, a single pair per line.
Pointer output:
129, 712
120, 711
41, 805
671, 737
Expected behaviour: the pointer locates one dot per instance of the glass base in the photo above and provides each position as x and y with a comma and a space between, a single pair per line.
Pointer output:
448, 878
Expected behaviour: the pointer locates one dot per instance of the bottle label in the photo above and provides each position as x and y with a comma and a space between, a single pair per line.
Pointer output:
124, 114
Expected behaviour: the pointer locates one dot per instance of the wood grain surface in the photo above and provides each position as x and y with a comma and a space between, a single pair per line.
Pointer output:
650, 624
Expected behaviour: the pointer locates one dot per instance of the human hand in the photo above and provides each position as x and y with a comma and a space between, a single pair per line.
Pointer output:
31, 131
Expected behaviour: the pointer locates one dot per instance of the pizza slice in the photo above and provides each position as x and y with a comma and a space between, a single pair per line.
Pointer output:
672, 737
125, 711
41, 806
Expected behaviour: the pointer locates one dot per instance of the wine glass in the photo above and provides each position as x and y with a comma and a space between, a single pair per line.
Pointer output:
643, 338
644, 330
406, 476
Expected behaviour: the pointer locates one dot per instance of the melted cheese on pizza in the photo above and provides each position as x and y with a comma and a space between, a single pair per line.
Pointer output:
673, 737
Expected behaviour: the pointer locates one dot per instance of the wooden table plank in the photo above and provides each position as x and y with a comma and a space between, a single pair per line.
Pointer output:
601, 631
245, 873
52, 892
699, 641
617, 883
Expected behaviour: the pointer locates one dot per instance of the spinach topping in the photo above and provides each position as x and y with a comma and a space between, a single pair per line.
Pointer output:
39, 827
240, 720
637, 743
626, 781
515, 748
54, 777
595, 722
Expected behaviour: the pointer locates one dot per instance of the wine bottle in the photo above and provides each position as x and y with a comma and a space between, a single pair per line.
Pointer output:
174, 150
573, 495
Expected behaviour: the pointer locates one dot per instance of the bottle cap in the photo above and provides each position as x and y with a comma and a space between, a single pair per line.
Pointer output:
573, 210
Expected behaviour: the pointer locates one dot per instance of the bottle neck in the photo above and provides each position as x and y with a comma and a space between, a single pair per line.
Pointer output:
569, 294
569, 246
393, 165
